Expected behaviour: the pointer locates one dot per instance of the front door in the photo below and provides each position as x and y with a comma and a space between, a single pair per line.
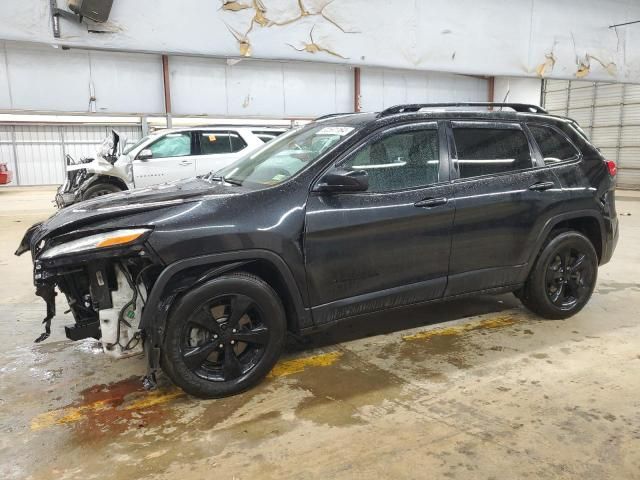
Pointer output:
388, 246
171, 160
503, 195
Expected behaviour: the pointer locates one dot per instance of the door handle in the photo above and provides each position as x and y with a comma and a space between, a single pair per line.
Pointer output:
185, 163
542, 186
431, 202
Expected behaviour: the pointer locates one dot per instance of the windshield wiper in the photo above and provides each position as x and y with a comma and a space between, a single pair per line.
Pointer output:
238, 183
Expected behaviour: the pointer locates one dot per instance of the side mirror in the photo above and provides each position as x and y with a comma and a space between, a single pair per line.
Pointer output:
145, 155
341, 180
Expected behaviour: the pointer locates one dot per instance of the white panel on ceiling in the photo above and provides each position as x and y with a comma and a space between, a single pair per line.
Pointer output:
47, 78
128, 82
198, 86
255, 88
371, 90
313, 90
382, 88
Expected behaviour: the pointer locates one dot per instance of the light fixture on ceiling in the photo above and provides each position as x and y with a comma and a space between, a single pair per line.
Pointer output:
95, 10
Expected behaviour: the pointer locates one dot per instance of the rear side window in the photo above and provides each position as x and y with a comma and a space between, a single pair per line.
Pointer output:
399, 161
554, 146
489, 151
217, 142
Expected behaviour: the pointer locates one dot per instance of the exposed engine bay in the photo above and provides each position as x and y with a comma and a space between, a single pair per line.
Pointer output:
106, 295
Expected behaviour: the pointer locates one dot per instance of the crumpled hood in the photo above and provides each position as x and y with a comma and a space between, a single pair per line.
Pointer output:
126, 203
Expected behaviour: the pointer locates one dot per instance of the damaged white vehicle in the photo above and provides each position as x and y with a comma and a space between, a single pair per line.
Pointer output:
163, 156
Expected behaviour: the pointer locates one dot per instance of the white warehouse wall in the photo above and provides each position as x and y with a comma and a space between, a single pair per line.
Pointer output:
382, 88
520, 90
42, 78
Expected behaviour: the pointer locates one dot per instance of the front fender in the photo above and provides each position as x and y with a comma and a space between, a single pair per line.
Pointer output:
166, 290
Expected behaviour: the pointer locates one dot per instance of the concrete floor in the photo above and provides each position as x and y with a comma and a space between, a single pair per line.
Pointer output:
475, 389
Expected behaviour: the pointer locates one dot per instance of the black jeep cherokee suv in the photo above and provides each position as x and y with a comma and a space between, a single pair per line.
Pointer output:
348, 215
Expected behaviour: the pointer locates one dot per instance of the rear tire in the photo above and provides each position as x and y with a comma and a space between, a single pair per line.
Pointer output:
563, 277
224, 336
100, 189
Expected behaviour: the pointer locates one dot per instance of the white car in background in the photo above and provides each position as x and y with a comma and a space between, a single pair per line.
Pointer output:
163, 156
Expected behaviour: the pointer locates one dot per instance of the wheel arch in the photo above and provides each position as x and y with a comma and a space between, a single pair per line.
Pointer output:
182, 275
96, 179
587, 222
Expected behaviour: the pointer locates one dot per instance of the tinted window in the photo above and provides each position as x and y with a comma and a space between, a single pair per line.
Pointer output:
488, 151
553, 145
172, 145
399, 161
266, 138
215, 142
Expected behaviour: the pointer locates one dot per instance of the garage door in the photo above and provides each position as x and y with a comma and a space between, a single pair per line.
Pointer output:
609, 113
36, 153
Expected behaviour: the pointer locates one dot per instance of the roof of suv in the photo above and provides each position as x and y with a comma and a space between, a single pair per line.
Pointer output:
436, 111
261, 128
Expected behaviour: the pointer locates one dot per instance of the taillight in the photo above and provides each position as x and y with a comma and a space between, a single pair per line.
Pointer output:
611, 166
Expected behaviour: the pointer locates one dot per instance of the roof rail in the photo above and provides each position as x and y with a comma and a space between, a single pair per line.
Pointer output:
415, 107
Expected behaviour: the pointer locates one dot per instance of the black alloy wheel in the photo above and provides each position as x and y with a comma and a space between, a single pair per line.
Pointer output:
224, 336
569, 277
563, 277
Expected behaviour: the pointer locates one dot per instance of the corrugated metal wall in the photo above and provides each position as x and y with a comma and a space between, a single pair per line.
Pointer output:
609, 113
36, 153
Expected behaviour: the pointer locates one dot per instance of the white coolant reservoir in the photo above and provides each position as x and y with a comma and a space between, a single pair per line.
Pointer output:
125, 341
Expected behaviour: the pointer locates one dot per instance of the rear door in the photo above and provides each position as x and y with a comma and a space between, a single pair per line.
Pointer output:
503, 196
217, 149
171, 160
388, 246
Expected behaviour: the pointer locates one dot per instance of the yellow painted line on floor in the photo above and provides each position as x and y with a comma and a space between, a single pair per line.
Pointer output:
69, 415
296, 365
493, 322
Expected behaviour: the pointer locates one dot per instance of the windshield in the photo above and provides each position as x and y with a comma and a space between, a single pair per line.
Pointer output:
136, 145
284, 156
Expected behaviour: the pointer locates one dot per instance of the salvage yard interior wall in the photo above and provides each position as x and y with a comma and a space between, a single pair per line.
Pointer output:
36, 153
41, 78
609, 113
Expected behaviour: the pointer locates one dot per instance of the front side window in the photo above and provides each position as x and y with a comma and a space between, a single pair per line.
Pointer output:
172, 145
216, 142
285, 156
490, 151
399, 161
553, 145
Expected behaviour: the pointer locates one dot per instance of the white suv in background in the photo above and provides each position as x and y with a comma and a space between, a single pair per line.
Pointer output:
174, 154
163, 156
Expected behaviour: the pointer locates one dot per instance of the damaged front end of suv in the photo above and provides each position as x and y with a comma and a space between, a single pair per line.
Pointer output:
104, 277
97, 254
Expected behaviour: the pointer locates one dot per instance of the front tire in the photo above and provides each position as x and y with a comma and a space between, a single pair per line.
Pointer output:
563, 277
100, 189
224, 336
